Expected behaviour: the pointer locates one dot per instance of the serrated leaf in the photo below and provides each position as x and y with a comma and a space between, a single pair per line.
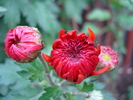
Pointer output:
12, 15
53, 92
99, 14
87, 87
42, 13
24, 93
13, 86
69, 96
8, 73
33, 71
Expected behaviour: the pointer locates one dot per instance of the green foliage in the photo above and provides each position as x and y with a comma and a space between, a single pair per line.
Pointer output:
85, 87
51, 92
2, 11
12, 16
130, 89
13, 86
99, 14
28, 81
108, 96
33, 71
92, 26
74, 8
69, 96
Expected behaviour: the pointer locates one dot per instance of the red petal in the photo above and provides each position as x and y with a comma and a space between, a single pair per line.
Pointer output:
61, 33
92, 35
100, 71
98, 49
46, 57
80, 78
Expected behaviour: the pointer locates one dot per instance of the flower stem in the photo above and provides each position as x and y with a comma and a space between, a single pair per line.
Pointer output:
46, 69
63, 83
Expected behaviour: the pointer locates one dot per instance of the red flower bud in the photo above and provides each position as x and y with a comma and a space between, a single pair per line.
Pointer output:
23, 43
108, 57
74, 56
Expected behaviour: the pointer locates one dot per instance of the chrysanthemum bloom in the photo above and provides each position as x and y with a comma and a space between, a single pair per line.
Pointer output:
23, 43
74, 56
108, 57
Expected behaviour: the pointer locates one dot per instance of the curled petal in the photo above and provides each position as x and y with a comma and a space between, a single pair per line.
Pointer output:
103, 70
61, 33
46, 57
92, 35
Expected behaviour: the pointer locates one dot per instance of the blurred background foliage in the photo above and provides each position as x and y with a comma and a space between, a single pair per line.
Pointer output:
111, 20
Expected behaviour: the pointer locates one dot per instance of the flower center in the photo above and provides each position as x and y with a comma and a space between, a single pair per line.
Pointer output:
15, 40
74, 49
106, 57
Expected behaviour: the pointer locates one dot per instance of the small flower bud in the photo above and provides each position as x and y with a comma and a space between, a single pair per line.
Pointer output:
23, 43
108, 57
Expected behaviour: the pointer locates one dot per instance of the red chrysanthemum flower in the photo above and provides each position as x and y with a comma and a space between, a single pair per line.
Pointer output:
23, 43
108, 57
74, 56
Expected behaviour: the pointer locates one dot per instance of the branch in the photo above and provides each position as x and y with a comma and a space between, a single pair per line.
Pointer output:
46, 70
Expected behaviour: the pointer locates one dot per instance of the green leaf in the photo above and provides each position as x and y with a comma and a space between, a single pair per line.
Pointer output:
53, 92
13, 86
74, 8
2, 11
32, 71
99, 85
130, 95
87, 87
42, 13
116, 3
108, 96
25, 93
4, 89
126, 21
69, 96
99, 14
8, 73
79, 98
80, 86
12, 15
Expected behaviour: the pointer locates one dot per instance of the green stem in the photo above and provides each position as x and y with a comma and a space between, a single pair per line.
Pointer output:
46, 69
63, 83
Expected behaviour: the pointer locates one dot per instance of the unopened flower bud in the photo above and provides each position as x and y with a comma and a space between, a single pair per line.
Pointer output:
23, 43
